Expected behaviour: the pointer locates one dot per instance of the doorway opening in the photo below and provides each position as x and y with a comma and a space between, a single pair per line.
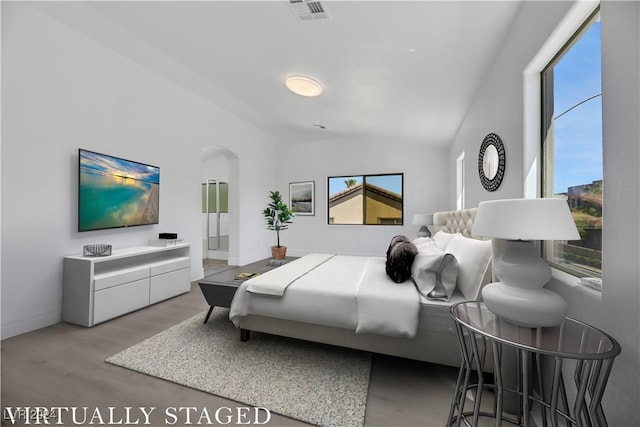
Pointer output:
218, 182
216, 207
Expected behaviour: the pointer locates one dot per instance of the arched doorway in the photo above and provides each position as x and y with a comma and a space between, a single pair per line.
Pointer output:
219, 195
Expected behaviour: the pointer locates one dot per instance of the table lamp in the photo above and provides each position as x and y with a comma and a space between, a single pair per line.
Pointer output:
423, 220
519, 296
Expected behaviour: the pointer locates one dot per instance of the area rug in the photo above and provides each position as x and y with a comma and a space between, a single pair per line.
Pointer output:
315, 383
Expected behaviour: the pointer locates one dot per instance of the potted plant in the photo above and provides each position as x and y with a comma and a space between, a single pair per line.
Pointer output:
278, 216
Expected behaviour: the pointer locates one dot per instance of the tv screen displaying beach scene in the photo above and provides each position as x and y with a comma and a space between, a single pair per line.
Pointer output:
115, 192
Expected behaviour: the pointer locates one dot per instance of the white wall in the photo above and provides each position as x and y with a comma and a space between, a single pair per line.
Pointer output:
215, 164
425, 190
62, 90
499, 108
617, 309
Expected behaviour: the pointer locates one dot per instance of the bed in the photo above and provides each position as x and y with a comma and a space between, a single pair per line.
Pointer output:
350, 301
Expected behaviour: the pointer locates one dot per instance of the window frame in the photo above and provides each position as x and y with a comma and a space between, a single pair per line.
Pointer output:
547, 119
364, 203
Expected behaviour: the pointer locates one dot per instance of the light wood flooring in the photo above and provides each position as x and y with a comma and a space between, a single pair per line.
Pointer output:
63, 365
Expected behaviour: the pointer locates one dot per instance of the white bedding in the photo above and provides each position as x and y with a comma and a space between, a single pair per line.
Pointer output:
349, 292
385, 307
276, 281
333, 319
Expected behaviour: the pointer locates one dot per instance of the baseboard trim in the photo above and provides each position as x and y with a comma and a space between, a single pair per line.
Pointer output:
22, 326
240, 261
197, 274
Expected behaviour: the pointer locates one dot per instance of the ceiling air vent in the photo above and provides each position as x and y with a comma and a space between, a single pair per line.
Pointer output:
308, 10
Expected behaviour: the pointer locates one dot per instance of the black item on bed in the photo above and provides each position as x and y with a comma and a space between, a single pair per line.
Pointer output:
394, 241
400, 256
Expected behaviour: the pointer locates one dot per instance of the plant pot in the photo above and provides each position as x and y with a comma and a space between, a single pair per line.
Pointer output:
278, 252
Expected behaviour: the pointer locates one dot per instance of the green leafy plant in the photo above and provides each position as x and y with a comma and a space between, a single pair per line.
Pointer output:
277, 214
350, 182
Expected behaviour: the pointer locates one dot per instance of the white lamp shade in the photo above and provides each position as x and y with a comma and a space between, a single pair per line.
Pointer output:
422, 219
525, 219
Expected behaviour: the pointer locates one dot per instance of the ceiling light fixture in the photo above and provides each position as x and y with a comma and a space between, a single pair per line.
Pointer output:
304, 86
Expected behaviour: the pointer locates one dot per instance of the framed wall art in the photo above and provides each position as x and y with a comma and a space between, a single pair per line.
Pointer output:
302, 197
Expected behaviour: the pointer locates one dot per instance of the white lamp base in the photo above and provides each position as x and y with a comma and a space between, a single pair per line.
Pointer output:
525, 307
424, 231
520, 296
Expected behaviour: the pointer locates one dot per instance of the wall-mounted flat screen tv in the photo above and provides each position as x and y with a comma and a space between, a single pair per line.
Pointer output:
114, 192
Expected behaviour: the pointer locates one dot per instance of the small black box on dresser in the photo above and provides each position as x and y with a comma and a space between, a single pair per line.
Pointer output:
168, 236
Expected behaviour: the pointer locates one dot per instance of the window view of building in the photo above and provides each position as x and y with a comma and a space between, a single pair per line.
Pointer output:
366, 199
572, 147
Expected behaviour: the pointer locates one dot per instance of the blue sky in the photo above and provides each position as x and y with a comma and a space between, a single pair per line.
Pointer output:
114, 166
389, 182
578, 133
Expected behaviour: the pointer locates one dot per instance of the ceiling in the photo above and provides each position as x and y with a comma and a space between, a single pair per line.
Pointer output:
402, 70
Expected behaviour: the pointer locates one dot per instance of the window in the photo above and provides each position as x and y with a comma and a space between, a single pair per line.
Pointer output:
460, 182
366, 199
572, 147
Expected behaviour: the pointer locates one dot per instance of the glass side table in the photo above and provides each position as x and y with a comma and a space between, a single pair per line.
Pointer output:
543, 357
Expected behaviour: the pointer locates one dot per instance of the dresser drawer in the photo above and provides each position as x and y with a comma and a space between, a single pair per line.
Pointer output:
169, 285
118, 300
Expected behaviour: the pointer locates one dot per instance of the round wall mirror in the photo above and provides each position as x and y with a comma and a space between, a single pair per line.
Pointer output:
491, 162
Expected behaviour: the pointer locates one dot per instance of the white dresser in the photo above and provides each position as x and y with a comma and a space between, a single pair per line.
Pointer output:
96, 289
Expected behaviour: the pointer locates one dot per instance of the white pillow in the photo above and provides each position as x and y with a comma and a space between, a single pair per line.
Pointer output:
443, 239
435, 273
473, 258
424, 243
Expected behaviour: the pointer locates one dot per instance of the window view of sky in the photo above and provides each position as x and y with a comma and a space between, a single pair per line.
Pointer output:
578, 113
390, 182
338, 183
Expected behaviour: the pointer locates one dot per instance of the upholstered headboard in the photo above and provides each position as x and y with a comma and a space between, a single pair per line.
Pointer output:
460, 222
455, 221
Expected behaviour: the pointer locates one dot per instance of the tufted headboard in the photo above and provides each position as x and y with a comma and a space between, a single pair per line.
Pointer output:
460, 222
455, 221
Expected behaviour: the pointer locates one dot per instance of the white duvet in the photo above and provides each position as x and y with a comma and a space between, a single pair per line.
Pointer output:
277, 281
385, 307
348, 292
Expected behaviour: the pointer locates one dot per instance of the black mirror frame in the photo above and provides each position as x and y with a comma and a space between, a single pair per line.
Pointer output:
492, 184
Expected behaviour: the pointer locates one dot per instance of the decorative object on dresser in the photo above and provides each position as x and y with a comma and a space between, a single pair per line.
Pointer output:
100, 249
519, 296
172, 236
96, 289
491, 162
166, 239
319, 384
278, 217
423, 220
165, 242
